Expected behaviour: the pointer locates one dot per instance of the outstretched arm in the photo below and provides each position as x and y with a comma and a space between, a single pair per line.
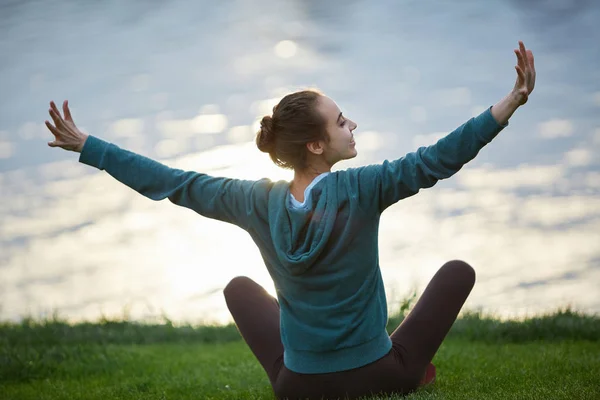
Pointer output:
390, 182
224, 199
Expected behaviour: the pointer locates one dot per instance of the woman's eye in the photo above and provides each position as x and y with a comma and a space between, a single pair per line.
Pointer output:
343, 123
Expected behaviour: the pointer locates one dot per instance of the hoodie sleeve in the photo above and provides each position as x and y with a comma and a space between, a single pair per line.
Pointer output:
382, 185
223, 199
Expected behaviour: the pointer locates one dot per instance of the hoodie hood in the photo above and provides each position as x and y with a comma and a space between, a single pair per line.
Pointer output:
300, 235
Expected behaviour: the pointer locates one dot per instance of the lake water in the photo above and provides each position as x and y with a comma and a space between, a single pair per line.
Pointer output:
185, 82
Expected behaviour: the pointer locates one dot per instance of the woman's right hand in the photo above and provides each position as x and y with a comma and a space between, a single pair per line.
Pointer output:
67, 135
525, 74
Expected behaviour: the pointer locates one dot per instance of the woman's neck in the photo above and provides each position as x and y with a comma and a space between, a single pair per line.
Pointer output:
304, 178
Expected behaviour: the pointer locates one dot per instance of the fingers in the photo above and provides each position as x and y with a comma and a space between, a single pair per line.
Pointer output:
55, 109
525, 61
525, 71
524, 56
55, 114
522, 49
531, 82
530, 57
520, 74
520, 60
52, 129
529, 65
56, 119
66, 111
54, 132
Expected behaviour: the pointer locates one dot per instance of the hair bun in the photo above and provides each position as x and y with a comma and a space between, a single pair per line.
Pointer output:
265, 140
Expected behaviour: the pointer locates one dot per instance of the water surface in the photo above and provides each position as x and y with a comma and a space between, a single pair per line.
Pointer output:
185, 82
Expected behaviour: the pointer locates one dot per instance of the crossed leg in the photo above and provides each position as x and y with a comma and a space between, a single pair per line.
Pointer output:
415, 341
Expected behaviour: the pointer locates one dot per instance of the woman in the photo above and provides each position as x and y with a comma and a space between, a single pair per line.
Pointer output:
325, 334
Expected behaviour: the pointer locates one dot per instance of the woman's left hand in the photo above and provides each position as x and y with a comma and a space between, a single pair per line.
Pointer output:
525, 74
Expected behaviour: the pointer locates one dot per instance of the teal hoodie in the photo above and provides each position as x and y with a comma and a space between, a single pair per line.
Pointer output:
323, 258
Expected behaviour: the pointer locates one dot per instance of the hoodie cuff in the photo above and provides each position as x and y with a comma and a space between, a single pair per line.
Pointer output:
489, 127
93, 151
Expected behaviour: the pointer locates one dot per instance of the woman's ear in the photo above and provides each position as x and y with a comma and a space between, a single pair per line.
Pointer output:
315, 147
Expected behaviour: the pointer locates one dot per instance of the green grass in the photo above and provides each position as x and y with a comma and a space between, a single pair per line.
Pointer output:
556, 356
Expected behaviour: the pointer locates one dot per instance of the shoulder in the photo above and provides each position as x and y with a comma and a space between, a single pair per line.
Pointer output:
366, 172
268, 187
362, 184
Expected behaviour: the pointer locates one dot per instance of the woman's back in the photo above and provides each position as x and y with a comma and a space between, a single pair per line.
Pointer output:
324, 263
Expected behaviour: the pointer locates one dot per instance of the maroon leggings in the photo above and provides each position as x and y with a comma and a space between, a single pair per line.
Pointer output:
414, 342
